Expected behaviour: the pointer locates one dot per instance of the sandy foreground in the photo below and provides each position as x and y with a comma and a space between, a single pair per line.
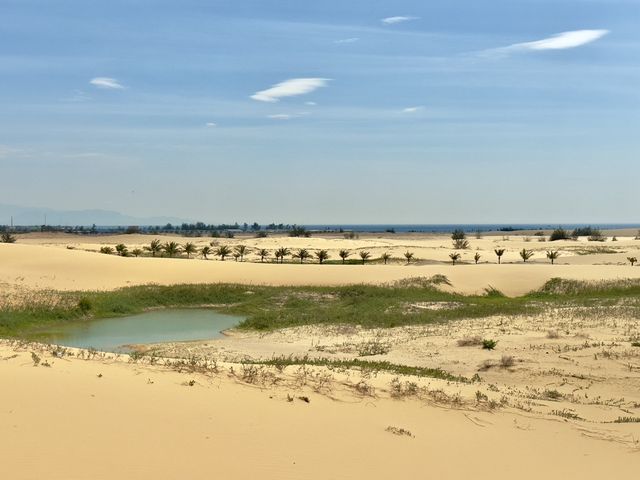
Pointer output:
69, 262
106, 418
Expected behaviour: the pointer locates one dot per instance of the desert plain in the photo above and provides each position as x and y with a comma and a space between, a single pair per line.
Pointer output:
556, 396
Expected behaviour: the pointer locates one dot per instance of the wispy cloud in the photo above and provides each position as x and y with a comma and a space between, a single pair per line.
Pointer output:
281, 116
77, 96
210, 124
346, 40
311, 104
290, 88
412, 109
398, 19
560, 41
106, 82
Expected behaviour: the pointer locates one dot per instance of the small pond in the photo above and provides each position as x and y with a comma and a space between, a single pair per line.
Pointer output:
116, 334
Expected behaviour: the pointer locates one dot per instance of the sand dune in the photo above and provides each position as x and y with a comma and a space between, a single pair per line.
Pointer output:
48, 267
64, 422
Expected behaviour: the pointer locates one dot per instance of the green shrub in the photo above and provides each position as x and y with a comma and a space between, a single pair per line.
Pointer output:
489, 344
559, 234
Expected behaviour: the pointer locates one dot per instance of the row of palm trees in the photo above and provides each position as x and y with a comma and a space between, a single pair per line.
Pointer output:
172, 249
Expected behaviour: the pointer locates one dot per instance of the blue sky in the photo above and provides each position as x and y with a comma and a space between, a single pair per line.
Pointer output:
386, 111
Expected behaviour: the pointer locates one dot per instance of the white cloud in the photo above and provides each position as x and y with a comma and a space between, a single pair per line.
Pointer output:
399, 19
311, 104
560, 41
347, 40
210, 124
281, 116
412, 109
290, 88
106, 82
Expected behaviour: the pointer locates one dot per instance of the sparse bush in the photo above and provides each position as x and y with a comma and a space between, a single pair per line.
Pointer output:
7, 238
488, 344
559, 234
460, 241
474, 341
106, 250
507, 361
491, 291
85, 305
476, 257
553, 334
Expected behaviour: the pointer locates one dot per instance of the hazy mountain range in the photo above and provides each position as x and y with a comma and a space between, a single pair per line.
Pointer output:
36, 216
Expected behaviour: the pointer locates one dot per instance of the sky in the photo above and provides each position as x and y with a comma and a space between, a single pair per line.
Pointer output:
357, 111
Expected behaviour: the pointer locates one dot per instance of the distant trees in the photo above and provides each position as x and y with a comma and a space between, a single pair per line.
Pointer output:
122, 250
526, 254
189, 248
322, 255
241, 250
344, 254
281, 253
171, 249
499, 252
553, 255
632, 260
459, 238
297, 231
409, 256
154, 247
454, 257
302, 254
262, 253
223, 251
476, 257
364, 256
559, 234
7, 238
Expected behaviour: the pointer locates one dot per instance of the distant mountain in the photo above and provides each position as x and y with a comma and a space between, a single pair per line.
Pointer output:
36, 216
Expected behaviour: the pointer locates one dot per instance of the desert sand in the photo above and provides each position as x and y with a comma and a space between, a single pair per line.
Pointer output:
68, 262
546, 405
105, 418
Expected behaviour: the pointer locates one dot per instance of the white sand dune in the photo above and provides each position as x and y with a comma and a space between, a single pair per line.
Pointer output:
46, 267
66, 423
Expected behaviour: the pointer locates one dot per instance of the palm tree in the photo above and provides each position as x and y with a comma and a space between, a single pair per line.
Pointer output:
189, 248
154, 247
302, 254
281, 253
476, 257
632, 260
241, 250
136, 252
526, 254
499, 252
262, 253
553, 255
409, 256
322, 255
454, 257
236, 256
223, 251
122, 250
386, 256
344, 254
364, 256
206, 251
171, 249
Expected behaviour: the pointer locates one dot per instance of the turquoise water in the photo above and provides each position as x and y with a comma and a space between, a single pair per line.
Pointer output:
115, 334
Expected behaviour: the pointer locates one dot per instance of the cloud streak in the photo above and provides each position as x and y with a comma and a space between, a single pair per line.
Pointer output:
412, 109
560, 41
106, 82
290, 88
342, 41
398, 19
